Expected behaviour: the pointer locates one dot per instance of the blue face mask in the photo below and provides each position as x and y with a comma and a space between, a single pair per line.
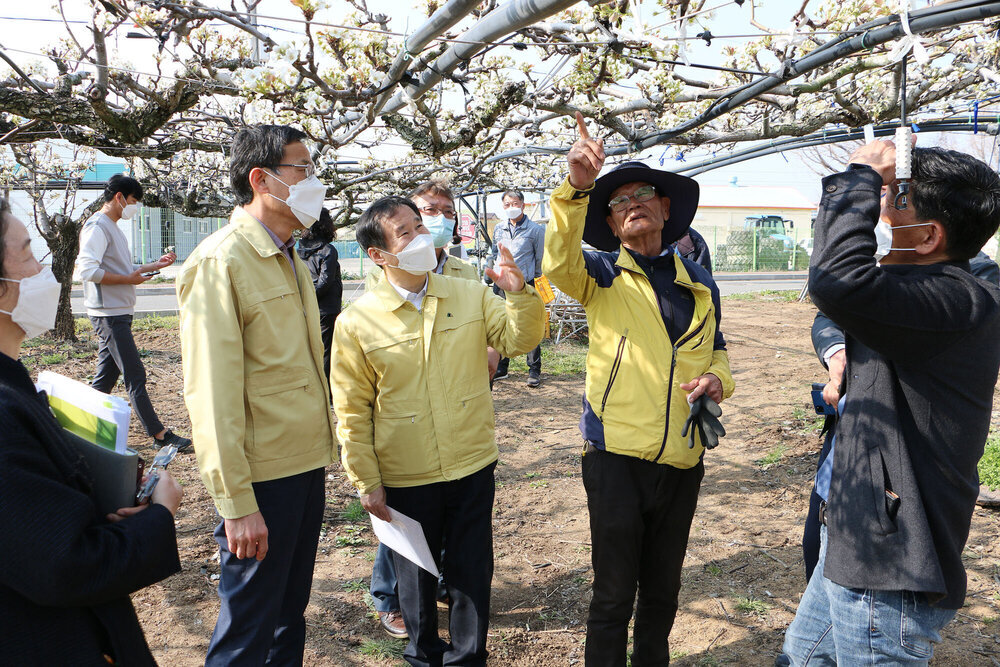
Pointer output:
440, 227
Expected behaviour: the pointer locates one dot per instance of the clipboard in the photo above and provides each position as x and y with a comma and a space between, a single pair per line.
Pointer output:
115, 475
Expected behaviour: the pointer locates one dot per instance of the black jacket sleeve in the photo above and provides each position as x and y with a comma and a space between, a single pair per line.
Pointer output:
323, 278
825, 334
903, 312
56, 551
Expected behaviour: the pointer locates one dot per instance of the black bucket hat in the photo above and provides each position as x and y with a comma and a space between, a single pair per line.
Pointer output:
682, 191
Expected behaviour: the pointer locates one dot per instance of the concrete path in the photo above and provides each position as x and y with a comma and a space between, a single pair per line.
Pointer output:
160, 299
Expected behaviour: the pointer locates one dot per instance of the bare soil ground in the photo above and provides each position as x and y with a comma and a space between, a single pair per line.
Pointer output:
743, 574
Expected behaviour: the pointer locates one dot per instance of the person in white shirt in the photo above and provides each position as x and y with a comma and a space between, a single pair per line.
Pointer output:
109, 280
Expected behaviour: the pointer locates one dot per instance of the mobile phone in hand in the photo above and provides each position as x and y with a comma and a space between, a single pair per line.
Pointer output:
150, 274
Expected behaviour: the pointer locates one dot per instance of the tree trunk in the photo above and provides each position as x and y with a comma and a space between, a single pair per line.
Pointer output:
63, 240
65, 246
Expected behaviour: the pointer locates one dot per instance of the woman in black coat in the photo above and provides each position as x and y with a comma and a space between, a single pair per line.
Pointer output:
315, 250
67, 571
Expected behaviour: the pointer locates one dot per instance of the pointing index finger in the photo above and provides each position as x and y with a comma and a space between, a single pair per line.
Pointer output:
582, 126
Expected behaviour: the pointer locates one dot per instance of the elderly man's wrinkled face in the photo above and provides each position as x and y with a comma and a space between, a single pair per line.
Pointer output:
636, 210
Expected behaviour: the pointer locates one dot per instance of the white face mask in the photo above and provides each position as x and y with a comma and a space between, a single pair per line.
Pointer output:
129, 210
440, 227
418, 256
513, 213
305, 198
883, 237
37, 303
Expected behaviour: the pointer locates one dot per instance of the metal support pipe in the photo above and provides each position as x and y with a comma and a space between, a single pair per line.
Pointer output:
444, 18
502, 21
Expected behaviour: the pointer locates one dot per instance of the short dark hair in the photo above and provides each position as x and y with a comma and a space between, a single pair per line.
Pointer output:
960, 192
514, 193
4, 212
128, 186
256, 146
322, 229
432, 188
368, 230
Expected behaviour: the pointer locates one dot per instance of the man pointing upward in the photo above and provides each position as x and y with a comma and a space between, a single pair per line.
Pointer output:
655, 345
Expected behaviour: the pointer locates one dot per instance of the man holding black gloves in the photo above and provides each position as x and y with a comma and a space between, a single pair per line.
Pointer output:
655, 355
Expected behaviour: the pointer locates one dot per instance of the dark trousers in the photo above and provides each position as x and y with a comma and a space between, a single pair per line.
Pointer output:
810, 532
118, 355
261, 617
460, 513
534, 358
640, 516
326, 323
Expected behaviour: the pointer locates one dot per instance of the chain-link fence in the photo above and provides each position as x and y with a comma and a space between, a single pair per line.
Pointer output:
740, 249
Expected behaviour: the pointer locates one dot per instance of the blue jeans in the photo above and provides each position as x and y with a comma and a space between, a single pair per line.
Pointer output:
852, 626
383, 586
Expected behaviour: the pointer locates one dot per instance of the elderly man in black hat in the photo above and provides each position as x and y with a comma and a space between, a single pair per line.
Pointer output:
656, 370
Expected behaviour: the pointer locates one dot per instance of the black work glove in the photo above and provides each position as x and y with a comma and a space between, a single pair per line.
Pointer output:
704, 415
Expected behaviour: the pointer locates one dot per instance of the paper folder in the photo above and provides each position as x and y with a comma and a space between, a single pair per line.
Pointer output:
95, 416
114, 475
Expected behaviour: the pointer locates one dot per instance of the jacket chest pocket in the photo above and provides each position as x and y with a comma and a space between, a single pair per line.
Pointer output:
395, 354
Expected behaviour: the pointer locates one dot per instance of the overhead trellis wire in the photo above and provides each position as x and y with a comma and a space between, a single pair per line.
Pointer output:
864, 37
986, 124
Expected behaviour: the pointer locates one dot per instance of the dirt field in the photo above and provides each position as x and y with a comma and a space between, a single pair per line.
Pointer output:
743, 573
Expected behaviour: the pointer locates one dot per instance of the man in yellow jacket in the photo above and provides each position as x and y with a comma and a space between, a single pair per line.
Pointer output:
655, 346
436, 204
415, 416
259, 405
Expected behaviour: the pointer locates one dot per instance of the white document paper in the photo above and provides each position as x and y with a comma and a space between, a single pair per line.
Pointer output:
405, 536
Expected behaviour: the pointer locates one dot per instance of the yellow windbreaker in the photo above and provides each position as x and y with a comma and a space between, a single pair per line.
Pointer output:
633, 369
253, 364
411, 388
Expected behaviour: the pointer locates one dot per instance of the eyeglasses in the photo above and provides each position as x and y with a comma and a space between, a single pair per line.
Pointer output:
310, 168
434, 210
645, 193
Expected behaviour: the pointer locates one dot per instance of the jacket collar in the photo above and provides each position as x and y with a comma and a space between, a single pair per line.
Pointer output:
627, 262
254, 232
390, 299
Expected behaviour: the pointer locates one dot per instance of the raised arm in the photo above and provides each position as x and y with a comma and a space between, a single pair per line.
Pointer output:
563, 261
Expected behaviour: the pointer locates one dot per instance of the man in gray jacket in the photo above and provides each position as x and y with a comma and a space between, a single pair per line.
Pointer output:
526, 241
109, 280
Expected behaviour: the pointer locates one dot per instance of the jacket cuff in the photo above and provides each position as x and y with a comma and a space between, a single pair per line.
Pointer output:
720, 369
239, 506
367, 486
527, 290
568, 192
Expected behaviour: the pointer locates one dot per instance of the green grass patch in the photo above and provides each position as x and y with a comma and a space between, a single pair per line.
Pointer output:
772, 456
54, 358
354, 512
355, 586
155, 322
353, 537
383, 649
989, 465
566, 358
787, 295
751, 606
